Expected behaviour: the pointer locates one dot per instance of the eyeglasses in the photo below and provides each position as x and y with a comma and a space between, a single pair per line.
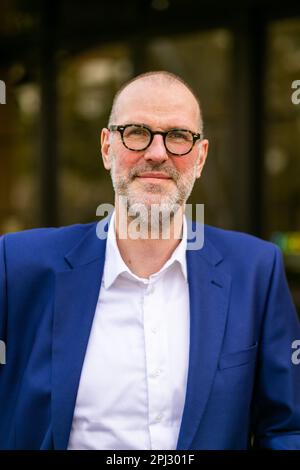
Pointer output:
138, 137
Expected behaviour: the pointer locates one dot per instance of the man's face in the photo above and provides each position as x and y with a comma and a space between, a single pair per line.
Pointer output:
161, 106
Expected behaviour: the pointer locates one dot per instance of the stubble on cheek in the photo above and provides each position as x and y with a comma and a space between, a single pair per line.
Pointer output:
125, 183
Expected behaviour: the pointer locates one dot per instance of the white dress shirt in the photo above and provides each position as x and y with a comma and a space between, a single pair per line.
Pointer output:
133, 382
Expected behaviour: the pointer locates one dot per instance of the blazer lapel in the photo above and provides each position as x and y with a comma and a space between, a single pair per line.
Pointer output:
76, 294
209, 289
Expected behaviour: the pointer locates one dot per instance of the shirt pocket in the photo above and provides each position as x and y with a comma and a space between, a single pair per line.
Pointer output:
238, 358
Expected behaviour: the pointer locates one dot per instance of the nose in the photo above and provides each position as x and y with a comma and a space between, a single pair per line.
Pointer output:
156, 151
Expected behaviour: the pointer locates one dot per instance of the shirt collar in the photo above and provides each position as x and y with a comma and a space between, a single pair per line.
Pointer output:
114, 264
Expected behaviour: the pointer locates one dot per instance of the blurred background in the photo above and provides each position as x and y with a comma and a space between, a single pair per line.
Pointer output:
63, 61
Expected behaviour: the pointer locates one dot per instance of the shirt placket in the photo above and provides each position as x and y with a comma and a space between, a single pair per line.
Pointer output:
156, 362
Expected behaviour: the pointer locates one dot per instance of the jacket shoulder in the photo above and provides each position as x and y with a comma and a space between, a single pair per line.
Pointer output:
241, 246
43, 243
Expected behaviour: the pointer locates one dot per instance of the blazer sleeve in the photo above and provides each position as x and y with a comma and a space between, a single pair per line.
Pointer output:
277, 398
3, 292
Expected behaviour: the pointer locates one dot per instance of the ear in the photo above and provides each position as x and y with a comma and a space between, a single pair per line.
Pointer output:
105, 146
202, 156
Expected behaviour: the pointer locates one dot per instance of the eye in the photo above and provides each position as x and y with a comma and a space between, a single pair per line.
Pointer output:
133, 131
177, 135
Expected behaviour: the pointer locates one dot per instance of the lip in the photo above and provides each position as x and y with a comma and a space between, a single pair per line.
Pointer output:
154, 175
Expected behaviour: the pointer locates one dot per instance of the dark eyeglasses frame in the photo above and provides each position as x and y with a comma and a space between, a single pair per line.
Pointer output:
121, 129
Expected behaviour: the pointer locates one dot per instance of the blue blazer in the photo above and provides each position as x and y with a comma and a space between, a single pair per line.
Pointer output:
242, 389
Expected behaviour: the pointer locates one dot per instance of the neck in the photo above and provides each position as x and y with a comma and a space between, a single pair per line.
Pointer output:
145, 250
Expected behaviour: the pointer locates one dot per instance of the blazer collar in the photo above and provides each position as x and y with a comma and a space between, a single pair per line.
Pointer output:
90, 247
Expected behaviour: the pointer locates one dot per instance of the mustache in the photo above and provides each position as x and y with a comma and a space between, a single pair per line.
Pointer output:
171, 172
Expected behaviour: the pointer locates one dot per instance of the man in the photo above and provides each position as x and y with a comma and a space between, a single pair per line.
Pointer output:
136, 342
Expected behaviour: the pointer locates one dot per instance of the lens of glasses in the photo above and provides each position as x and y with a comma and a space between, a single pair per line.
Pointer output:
179, 142
136, 138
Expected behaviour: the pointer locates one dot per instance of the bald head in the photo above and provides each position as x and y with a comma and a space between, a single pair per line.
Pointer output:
148, 87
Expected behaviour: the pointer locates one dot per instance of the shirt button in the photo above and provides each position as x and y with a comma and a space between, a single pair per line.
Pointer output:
156, 372
159, 417
154, 330
150, 290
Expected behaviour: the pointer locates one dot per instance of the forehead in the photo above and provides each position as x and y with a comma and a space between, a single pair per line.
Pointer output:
160, 104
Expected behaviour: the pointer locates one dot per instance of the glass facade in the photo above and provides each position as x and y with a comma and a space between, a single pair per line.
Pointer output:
87, 82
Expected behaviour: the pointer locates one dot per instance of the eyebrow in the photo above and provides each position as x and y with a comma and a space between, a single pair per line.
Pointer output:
169, 128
